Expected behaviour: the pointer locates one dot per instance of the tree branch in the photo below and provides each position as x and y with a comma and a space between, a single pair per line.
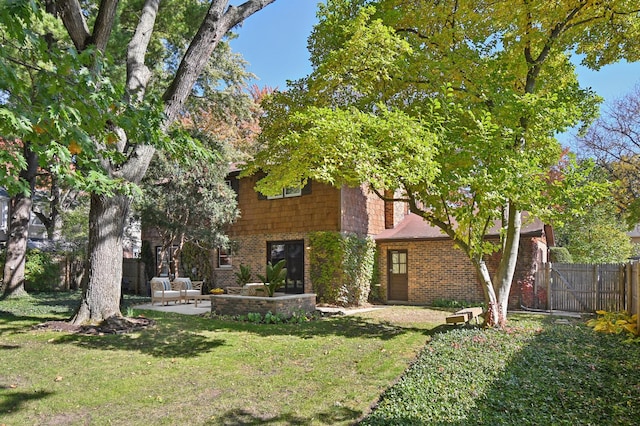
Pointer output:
216, 24
104, 23
73, 20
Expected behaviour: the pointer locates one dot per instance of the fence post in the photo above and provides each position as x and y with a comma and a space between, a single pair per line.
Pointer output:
626, 302
635, 289
547, 278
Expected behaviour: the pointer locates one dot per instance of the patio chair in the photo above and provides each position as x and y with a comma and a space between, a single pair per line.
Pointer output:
162, 291
189, 290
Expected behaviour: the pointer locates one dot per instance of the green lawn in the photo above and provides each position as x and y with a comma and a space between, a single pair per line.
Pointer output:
196, 370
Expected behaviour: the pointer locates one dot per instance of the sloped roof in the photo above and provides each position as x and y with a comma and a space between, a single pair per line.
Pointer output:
414, 227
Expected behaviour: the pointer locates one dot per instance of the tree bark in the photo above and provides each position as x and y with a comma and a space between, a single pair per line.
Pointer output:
20, 209
493, 316
101, 295
509, 258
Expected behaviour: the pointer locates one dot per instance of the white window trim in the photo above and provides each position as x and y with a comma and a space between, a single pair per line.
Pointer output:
228, 257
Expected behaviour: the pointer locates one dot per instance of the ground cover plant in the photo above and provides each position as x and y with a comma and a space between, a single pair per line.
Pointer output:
197, 370
552, 372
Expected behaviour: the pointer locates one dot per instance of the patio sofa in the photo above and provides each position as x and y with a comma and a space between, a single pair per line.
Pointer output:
163, 291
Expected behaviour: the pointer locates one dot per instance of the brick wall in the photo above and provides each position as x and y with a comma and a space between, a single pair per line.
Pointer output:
286, 306
438, 270
251, 250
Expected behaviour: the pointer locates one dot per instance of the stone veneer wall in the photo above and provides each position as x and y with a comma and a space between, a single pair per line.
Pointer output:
287, 306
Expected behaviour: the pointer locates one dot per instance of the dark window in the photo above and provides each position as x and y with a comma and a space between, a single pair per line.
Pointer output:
293, 253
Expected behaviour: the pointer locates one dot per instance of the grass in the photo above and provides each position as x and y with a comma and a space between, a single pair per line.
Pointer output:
196, 370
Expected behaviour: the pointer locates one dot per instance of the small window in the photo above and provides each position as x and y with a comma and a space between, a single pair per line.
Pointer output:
224, 258
4, 215
273, 197
292, 192
287, 193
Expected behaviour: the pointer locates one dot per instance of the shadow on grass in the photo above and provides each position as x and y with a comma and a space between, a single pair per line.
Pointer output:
343, 326
169, 339
336, 415
13, 401
177, 335
564, 374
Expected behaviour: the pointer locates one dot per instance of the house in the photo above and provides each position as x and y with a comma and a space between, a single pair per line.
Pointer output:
417, 263
37, 230
274, 228
420, 264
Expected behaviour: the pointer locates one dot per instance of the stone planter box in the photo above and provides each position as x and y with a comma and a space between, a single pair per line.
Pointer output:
283, 304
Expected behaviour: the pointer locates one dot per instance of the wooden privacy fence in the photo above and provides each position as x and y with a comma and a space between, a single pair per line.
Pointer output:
577, 287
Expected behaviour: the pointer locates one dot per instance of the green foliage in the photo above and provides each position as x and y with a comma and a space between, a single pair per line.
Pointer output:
487, 377
597, 237
275, 277
147, 256
188, 201
196, 263
298, 317
341, 267
66, 128
560, 255
325, 260
42, 272
243, 276
616, 323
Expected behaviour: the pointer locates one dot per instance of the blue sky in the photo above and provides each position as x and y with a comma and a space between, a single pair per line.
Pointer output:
274, 42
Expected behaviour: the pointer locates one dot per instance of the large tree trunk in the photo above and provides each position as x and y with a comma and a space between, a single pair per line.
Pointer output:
101, 296
106, 218
14, 267
497, 291
20, 210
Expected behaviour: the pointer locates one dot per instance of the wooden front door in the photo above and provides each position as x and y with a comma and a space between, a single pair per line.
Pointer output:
398, 276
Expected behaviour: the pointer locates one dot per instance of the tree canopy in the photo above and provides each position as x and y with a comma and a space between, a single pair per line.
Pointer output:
94, 88
452, 105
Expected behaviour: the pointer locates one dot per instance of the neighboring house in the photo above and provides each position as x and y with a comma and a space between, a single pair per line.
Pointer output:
417, 263
37, 230
634, 234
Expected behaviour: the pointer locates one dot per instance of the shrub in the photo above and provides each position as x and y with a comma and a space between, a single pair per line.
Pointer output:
341, 267
560, 255
196, 263
243, 276
275, 278
616, 323
42, 273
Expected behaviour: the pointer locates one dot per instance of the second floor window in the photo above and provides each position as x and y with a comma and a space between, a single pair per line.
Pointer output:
286, 193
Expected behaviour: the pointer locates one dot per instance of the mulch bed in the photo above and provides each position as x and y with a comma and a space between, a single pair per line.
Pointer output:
112, 325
